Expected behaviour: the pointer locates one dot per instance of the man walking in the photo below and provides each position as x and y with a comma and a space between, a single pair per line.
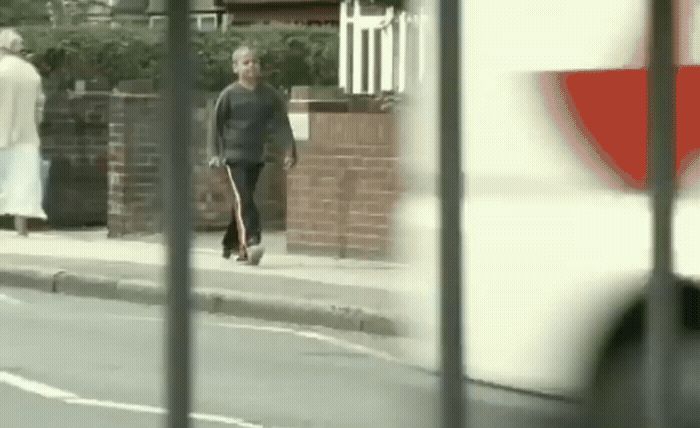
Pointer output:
246, 113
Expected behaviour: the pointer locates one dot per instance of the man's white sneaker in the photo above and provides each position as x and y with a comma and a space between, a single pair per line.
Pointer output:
255, 253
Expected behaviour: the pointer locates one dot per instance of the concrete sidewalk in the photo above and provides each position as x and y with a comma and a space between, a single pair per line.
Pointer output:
337, 293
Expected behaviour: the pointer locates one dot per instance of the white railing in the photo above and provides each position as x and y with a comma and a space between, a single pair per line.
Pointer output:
379, 52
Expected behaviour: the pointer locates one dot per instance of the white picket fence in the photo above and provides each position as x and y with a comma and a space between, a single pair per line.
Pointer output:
380, 51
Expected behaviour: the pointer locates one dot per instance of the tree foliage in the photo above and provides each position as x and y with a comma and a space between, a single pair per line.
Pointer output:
14, 13
290, 55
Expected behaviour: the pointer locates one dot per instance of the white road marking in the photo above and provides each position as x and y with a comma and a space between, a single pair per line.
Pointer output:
4, 298
36, 388
67, 397
134, 408
305, 334
312, 335
139, 408
224, 420
70, 398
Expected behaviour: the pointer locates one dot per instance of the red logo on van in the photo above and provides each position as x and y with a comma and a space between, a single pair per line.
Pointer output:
611, 108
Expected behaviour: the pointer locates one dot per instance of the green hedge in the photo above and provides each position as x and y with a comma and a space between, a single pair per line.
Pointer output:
291, 56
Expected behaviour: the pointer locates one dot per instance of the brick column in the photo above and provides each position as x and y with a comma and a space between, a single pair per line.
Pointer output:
342, 193
116, 166
135, 204
74, 137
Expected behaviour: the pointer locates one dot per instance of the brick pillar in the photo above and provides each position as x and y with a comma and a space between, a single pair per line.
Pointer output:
134, 165
116, 166
74, 137
342, 193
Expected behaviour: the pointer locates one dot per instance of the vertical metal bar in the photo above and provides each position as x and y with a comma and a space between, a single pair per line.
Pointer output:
364, 82
343, 53
450, 186
663, 300
378, 57
350, 76
177, 214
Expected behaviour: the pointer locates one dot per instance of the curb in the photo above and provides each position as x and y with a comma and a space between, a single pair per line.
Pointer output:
269, 308
35, 278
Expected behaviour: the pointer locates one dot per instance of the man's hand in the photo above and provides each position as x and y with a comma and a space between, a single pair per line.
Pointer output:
215, 162
290, 159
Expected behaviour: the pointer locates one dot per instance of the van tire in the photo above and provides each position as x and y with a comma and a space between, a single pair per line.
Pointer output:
618, 400
618, 397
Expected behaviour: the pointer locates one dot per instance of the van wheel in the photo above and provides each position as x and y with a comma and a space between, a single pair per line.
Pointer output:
618, 393
618, 400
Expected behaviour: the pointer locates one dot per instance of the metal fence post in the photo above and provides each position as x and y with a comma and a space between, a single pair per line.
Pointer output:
177, 215
663, 300
450, 185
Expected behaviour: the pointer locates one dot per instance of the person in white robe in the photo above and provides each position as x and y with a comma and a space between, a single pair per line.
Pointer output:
21, 111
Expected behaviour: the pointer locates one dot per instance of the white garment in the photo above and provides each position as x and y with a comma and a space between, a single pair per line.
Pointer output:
21, 105
20, 181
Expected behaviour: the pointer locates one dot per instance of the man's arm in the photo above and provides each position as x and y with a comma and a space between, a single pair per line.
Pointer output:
221, 112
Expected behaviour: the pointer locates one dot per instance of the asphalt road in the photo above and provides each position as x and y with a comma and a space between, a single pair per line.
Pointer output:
78, 363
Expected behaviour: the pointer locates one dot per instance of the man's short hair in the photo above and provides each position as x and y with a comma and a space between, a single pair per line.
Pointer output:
10, 40
241, 51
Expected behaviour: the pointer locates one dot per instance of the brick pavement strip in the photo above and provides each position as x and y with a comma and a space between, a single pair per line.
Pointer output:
271, 308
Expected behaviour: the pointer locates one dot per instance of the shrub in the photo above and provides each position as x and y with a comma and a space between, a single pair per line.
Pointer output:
290, 55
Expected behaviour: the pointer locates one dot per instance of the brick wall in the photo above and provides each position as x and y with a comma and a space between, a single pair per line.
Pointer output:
342, 193
74, 138
135, 205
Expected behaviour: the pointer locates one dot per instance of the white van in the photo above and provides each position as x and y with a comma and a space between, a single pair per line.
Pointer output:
557, 233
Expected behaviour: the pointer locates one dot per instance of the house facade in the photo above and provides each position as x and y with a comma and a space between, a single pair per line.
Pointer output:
130, 12
212, 15
305, 12
205, 14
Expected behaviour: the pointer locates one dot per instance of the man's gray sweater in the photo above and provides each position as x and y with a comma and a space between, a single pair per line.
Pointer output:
244, 119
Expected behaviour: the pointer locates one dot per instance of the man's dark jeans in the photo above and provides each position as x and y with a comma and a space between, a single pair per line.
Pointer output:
244, 228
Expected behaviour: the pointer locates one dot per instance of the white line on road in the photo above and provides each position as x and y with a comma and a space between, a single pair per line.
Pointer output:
135, 408
36, 388
53, 393
305, 334
224, 420
4, 298
139, 408
312, 335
